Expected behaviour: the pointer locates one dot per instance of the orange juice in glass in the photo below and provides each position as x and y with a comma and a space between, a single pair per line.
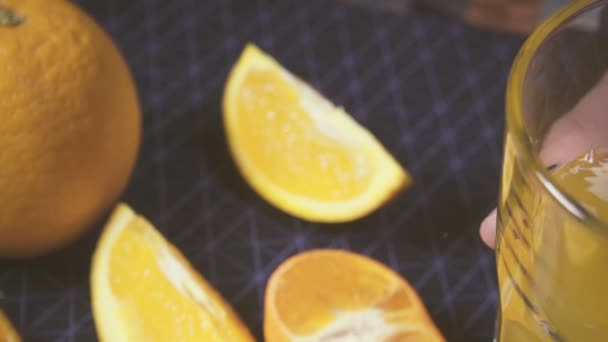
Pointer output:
552, 229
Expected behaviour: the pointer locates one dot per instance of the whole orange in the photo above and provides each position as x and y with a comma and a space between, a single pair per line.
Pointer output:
70, 125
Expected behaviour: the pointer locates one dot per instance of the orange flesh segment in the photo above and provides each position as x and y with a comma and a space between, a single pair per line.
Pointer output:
299, 151
154, 294
167, 312
340, 296
311, 299
7, 331
286, 144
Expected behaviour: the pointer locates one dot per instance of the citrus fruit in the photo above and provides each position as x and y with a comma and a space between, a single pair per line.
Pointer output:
334, 295
70, 125
300, 152
143, 289
7, 331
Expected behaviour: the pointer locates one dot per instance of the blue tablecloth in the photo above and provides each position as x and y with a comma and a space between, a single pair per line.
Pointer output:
430, 88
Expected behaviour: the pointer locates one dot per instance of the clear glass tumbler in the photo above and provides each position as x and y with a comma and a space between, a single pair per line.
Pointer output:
552, 238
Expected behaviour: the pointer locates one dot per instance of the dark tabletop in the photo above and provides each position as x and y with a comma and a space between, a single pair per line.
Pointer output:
430, 88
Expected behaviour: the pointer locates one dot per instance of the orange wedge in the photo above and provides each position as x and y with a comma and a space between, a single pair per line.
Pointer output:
334, 295
143, 289
7, 331
300, 152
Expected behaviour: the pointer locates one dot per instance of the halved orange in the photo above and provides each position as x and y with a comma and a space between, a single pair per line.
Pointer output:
7, 331
300, 152
143, 289
334, 295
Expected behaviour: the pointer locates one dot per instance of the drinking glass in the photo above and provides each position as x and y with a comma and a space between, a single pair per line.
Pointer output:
552, 225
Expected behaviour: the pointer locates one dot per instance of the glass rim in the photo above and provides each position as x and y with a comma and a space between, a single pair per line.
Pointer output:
515, 119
